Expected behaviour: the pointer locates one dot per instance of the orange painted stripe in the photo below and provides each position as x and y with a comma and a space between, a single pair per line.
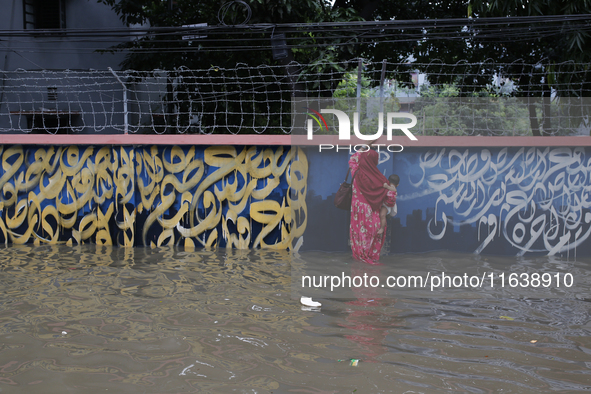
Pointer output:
451, 141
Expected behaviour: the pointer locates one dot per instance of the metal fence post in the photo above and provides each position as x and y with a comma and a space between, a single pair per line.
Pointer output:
125, 112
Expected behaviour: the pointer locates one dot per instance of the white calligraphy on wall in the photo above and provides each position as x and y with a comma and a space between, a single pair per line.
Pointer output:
538, 199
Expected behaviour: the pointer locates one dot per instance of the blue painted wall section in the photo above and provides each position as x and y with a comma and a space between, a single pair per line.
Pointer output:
513, 201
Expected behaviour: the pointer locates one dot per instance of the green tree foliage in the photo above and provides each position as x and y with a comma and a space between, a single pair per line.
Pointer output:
557, 45
357, 95
551, 62
144, 54
324, 61
442, 111
571, 44
224, 49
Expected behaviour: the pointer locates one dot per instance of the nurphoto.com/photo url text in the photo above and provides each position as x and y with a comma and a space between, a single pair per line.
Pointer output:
440, 280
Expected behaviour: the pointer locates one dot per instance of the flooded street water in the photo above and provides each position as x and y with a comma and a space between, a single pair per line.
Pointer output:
95, 319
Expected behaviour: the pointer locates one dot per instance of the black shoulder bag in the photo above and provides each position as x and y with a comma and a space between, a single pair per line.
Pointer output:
342, 199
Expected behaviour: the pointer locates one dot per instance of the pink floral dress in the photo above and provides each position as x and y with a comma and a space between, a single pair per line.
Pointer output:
366, 245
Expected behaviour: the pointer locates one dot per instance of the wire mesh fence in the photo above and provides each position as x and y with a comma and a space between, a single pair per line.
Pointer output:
257, 100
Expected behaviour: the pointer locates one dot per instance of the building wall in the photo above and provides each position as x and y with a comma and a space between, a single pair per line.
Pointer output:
56, 52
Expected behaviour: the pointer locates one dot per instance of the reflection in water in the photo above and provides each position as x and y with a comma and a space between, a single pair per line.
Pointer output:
170, 321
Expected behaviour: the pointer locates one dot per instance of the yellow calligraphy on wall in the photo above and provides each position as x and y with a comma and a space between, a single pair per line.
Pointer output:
243, 197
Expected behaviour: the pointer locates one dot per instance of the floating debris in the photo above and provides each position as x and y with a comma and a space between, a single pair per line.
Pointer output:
352, 361
506, 318
307, 301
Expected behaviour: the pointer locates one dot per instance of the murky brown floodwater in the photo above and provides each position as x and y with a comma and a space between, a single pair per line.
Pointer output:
94, 319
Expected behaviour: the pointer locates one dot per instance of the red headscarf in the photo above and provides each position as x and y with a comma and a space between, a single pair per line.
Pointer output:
369, 180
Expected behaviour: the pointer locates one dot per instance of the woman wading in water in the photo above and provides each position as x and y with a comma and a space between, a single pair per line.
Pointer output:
368, 196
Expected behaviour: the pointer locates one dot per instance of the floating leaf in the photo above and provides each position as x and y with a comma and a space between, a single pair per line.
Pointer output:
506, 318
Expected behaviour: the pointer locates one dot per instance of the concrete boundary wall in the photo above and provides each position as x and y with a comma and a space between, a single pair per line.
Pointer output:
150, 195
533, 197
489, 195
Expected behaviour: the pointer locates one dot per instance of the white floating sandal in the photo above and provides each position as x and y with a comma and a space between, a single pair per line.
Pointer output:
307, 301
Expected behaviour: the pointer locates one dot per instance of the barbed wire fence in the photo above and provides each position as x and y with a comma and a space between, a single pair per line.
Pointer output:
448, 99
